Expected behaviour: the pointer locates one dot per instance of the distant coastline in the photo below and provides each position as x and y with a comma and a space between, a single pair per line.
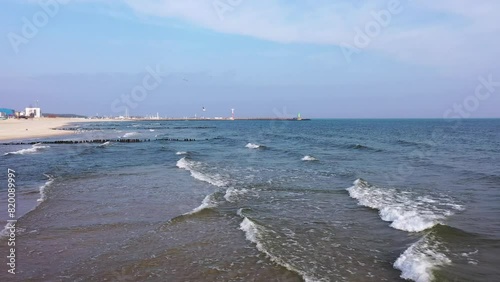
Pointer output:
20, 129
209, 119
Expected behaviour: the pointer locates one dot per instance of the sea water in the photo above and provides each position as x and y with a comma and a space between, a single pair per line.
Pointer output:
319, 200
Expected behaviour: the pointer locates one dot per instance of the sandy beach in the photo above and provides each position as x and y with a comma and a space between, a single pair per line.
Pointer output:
16, 129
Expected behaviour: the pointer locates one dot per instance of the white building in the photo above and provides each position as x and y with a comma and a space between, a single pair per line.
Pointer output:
36, 112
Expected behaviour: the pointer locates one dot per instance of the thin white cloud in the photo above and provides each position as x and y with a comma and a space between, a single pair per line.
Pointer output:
447, 33
260, 19
466, 34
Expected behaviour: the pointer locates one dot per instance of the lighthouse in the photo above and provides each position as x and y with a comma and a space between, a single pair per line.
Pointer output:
232, 114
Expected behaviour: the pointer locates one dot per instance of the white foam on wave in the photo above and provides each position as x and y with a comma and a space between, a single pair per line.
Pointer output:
232, 195
181, 153
470, 257
5, 233
194, 167
240, 212
6, 230
309, 158
253, 146
130, 134
207, 203
107, 143
253, 233
35, 148
405, 210
184, 164
418, 261
43, 194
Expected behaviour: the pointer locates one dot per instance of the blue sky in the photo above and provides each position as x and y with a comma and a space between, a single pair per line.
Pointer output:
323, 58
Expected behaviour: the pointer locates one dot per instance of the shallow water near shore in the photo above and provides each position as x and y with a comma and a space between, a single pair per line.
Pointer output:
320, 200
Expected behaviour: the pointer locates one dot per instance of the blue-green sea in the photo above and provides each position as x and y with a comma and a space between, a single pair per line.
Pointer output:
319, 200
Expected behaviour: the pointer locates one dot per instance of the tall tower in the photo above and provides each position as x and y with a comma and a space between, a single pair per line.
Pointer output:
232, 114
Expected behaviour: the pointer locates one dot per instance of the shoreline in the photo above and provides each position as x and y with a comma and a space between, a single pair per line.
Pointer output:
22, 129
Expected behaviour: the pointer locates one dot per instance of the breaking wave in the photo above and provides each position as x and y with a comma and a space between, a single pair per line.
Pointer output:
232, 195
35, 148
5, 232
104, 144
43, 194
419, 260
195, 167
130, 134
405, 210
309, 158
255, 234
254, 146
410, 212
207, 203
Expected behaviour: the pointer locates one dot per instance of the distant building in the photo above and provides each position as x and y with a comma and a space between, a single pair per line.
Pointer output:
35, 112
7, 112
